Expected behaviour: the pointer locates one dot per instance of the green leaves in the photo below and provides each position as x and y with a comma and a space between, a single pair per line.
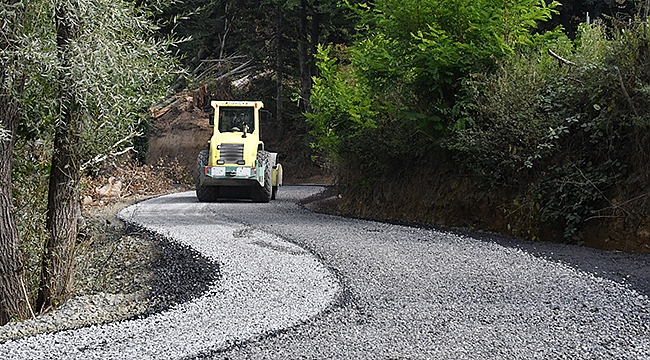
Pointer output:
567, 132
344, 107
409, 61
444, 39
114, 68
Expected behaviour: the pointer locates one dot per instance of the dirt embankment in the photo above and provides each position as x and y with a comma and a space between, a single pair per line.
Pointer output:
447, 198
180, 133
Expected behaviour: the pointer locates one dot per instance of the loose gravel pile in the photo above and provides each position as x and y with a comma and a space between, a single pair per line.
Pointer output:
121, 277
299, 285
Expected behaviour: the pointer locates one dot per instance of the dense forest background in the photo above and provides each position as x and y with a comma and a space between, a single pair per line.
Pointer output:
524, 117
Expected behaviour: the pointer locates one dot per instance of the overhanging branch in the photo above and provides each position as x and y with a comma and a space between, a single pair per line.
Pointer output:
561, 59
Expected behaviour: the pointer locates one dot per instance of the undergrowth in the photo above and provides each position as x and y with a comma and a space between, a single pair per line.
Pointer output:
571, 130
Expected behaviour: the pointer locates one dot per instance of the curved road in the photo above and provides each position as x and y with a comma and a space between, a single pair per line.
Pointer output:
299, 285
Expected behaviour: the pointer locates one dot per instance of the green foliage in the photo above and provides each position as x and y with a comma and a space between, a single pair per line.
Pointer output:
409, 62
574, 191
417, 52
567, 134
395, 90
115, 69
343, 105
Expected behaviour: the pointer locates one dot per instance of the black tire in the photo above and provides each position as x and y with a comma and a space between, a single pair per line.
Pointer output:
262, 194
204, 193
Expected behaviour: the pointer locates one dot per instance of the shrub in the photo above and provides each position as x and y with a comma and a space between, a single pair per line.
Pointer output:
564, 136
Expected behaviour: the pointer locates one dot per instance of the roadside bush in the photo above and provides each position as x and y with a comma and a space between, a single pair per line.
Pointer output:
564, 132
388, 99
368, 137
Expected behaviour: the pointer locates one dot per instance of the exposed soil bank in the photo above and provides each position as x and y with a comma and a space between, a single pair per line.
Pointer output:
448, 198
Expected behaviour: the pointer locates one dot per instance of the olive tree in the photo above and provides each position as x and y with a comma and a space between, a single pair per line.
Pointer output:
109, 68
12, 301
81, 74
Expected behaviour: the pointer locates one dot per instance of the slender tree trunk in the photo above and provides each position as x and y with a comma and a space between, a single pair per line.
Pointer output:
14, 302
645, 20
279, 73
227, 24
314, 38
304, 57
62, 214
13, 299
62, 203
309, 34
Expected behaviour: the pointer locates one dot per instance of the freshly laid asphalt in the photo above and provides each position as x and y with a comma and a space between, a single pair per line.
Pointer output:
300, 285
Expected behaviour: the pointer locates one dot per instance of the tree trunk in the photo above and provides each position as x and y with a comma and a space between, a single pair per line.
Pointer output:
14, 303
279, 89
13, 299
62, 202
304, 57
316, 20
309, 34
645, 20
62, 214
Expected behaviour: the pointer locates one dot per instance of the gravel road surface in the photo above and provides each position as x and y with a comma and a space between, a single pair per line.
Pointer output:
299, 285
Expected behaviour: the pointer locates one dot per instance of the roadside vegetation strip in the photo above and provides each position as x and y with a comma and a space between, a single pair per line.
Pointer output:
177, 274
122, 272
267, 285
